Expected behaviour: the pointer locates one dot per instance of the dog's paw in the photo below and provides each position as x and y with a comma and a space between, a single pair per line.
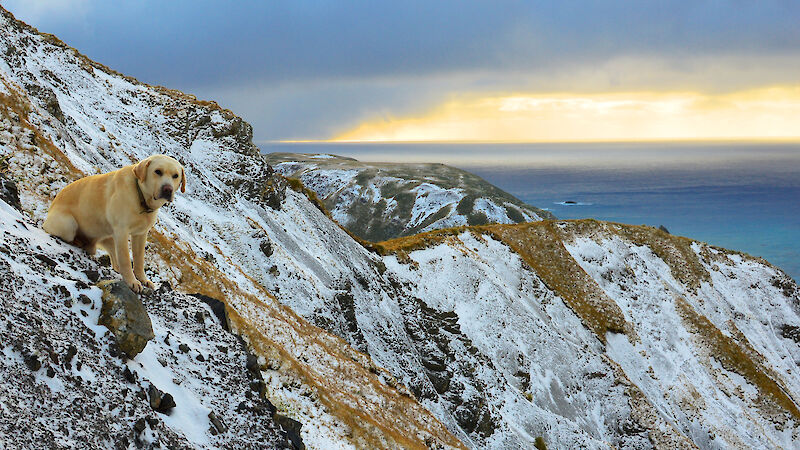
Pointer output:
146, 282
135, 285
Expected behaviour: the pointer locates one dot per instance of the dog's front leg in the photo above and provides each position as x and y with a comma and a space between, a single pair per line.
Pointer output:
138, 242
124, 261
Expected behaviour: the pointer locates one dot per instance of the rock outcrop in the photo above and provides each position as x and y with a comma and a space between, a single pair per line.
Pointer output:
123, 313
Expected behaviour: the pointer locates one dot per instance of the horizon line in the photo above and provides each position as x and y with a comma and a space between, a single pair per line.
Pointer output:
754, 139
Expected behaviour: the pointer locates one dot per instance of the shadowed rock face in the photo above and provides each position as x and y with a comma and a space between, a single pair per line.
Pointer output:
123, 313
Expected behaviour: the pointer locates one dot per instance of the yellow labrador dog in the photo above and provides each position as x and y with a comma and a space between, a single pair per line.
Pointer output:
109, 208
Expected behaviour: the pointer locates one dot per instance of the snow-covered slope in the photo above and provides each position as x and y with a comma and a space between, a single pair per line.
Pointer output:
63, 116
588, 334
62, 388
379, 201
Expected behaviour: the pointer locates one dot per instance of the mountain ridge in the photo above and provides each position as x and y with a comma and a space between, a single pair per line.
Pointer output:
379, 201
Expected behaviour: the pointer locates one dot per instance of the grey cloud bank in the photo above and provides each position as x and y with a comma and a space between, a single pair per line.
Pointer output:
306, 69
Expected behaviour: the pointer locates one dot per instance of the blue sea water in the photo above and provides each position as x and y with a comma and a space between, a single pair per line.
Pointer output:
741, 196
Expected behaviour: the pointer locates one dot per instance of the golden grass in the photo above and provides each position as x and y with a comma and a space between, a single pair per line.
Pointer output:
16, 103
675, 251
542, 249
738, 358
399, 412
539, 245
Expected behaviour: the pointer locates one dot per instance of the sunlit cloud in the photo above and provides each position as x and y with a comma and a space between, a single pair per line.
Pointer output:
766, 113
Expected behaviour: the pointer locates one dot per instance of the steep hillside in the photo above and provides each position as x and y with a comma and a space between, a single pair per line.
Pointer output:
61, 387
585, 334
379, 201
63, 116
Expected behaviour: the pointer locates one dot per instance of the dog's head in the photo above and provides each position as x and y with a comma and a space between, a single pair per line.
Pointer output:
159, 177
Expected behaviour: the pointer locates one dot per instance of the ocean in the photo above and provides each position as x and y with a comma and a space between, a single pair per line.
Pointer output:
741, 196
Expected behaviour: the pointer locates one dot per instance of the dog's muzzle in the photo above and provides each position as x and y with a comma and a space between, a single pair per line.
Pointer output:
166, 193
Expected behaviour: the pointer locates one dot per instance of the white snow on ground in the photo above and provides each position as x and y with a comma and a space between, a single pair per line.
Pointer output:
197, 388
495, 213
429, 200
667, 362
515, 321
327, 182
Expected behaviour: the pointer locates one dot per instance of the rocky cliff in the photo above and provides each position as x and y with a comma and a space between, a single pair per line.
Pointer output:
579, 334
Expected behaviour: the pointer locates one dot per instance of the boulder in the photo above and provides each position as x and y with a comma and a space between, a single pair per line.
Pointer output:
123, 313
292, 429
9, 192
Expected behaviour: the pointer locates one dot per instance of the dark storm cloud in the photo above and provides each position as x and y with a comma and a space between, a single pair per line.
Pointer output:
210, 42
263, 59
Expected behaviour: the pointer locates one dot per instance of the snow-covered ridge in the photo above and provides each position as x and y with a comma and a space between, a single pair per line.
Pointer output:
379, 201
586, 334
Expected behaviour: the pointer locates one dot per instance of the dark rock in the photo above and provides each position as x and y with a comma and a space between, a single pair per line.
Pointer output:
49, 262
266, 248
9, 192
200, 357
183, 348
60, 290
33, 362
167, 403
252, 365
258, 386
48, 99
292, 429
81, 285
123, 313
85, 299
130, 376
274, 192
663, 228
92, 275
791, 332
217, 307
104, 261
71, 352
217, 422
50, 372
152, 421
140, 425
160, 401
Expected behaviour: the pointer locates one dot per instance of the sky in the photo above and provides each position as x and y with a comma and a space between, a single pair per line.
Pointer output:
458, 70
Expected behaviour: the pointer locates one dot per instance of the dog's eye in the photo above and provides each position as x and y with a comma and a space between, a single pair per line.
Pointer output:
175, 176
159, 173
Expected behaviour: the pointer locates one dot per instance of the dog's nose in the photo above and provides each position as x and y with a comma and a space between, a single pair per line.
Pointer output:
166, 192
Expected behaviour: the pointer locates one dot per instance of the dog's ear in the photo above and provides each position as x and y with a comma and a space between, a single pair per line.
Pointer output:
183, 180
140, 170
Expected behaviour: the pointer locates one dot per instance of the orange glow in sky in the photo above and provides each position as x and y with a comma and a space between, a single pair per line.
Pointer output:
765, 113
